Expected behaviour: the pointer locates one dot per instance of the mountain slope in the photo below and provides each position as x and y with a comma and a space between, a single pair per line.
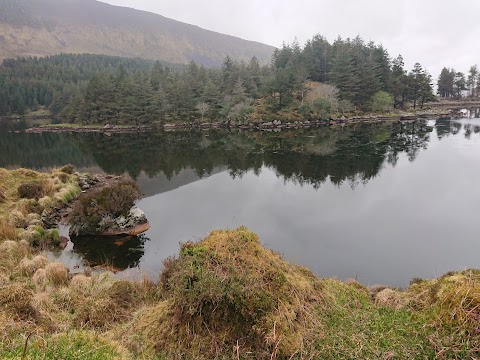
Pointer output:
46, 27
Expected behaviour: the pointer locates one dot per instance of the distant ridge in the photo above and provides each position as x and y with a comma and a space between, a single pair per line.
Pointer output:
48, 27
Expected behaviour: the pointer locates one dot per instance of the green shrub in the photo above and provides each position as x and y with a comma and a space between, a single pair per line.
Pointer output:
45, 238
382, 101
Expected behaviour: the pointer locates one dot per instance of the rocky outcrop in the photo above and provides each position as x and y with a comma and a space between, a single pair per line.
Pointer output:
133, 223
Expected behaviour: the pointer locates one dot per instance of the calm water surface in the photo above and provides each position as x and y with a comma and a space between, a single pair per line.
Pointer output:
380, 203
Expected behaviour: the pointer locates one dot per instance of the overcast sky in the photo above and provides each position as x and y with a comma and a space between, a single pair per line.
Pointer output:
435, 33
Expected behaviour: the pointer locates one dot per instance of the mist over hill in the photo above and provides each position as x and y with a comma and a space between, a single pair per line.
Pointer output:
47, 27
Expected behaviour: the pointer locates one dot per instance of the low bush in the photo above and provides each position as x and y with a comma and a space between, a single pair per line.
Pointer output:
31, 190
110, 201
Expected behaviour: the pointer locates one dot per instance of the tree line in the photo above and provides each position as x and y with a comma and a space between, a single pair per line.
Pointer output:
53, 81
310, 81
456, 84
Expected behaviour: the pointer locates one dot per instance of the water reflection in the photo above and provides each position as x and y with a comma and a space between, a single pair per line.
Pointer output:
367, 201
304, 156
115, 253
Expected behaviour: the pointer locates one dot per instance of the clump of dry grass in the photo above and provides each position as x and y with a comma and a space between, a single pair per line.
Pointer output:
46, 202
42, 301
50, 186
56, 273
455, 300
124, 294
99, 313
101, 304
28, 206
7, 231
82, 284
40, 278
62, 177
33, 220
16, 299
30, 266
17, 219
11, 253
67, 169
391, 298
228, 288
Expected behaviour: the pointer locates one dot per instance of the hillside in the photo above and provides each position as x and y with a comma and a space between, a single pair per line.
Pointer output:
46, 27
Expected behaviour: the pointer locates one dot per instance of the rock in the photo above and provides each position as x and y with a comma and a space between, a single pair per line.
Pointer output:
134, 223
86, 182
87, 271
107, 126
63, 242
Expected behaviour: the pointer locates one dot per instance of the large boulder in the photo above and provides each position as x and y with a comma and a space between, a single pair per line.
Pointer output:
108, 210
134, 223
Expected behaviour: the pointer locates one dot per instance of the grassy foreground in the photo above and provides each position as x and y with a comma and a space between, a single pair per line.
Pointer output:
225, 297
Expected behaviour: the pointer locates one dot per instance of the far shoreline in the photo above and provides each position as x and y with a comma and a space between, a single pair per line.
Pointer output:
275, 125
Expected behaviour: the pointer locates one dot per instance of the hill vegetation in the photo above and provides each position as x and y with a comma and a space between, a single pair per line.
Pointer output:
48, 27
310, 82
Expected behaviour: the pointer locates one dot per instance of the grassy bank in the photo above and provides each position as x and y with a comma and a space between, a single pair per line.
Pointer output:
224, 297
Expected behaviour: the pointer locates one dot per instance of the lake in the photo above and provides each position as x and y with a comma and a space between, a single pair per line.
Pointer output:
379, 203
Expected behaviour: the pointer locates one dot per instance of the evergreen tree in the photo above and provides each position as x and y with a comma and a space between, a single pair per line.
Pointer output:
472, 80
445, 83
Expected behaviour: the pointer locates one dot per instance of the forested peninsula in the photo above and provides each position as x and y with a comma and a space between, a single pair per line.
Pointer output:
318, 80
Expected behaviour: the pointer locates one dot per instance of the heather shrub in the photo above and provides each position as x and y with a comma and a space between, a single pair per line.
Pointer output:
110, 201
31, 190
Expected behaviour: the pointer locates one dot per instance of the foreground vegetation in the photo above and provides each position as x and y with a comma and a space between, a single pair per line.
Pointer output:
224, 297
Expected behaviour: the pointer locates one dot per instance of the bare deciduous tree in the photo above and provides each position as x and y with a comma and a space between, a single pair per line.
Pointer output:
324, 91
202, 108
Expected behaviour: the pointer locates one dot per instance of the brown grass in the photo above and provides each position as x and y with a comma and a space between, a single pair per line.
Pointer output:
30, 266
16, 299
7, 231
32, 185
56, 273
394, 299
99, 313
40, 278
229, 288
17, 219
